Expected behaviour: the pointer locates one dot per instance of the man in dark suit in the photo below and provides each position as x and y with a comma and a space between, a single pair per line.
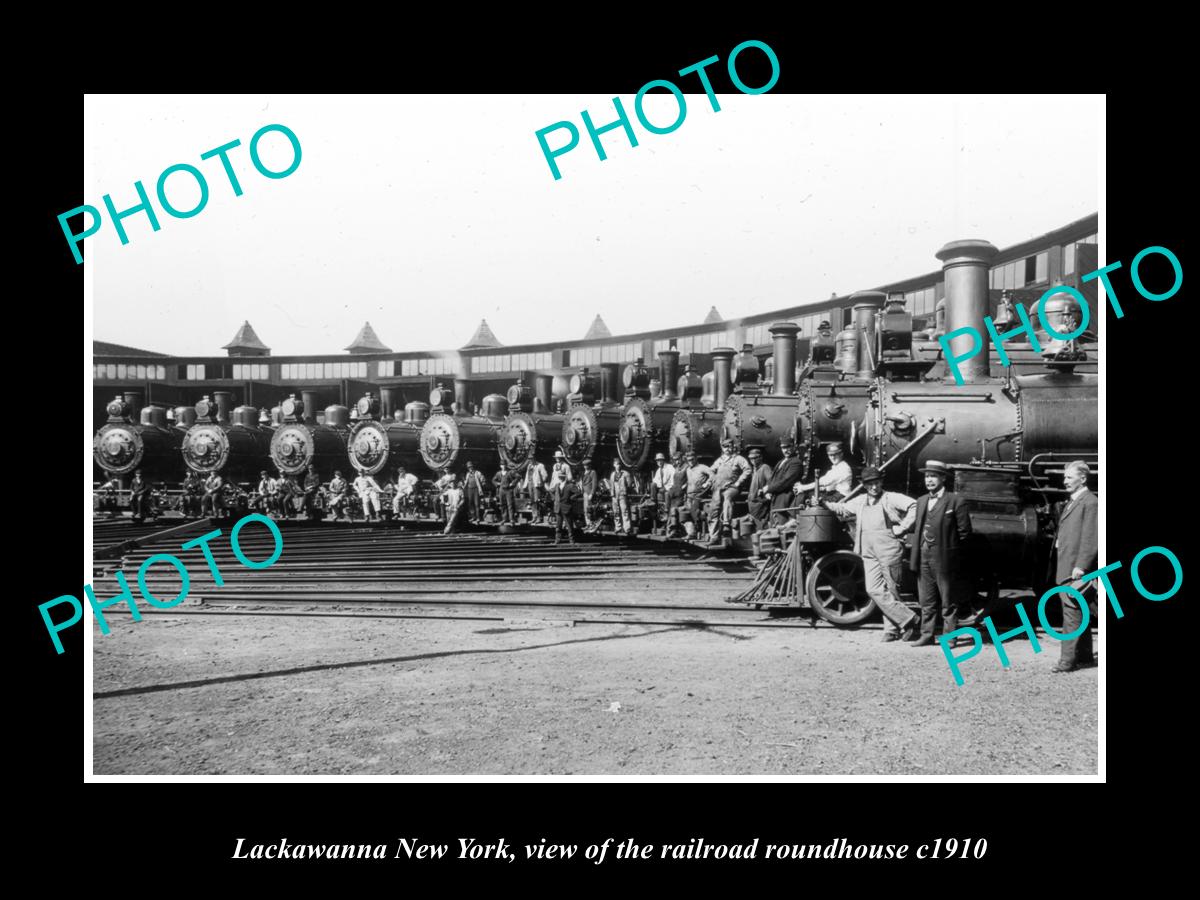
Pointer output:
943, 526
1076, 547
779, 488
759, 507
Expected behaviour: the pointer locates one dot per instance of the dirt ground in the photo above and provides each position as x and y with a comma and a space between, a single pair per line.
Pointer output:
279, 695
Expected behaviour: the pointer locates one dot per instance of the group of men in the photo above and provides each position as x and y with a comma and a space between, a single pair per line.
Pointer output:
941, 526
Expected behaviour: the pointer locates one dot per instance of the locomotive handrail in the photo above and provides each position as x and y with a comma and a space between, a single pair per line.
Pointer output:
897, 397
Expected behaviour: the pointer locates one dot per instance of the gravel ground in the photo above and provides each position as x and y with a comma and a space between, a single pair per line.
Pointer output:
438, 697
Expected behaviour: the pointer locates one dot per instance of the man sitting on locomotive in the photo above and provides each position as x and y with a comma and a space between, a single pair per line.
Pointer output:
312, 490
406, 485
759, 505
779, 489
338, 499
835, 484
193, 490
881, 519
677, 516
139, 498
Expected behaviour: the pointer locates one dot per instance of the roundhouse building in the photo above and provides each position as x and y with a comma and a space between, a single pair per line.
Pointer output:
257, 378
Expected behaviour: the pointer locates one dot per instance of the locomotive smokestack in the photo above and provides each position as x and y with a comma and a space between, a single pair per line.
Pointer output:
543, 393
610, 383
722, 374
310, 402
133, 399
965, 271
866, 304
224, 401
784, 336
462, 395
390, 400
668, 374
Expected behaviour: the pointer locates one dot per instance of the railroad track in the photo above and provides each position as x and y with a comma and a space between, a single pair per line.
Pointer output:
339, 570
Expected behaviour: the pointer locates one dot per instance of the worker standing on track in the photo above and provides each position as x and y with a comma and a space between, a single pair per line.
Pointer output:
452, 499
213, 500
621, 486
588, 482
535, 482
506, 490
474, 488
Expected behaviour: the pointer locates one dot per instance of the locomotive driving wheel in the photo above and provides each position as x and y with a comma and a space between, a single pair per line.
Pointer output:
836, 589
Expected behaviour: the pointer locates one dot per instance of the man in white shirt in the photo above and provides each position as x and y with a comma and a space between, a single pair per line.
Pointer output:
881, 518
473, 488
836, 483
406, 485
368, 490
453, 499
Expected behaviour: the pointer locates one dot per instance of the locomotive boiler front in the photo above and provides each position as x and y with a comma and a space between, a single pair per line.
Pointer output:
698, 427
375, 445
449, 442
646, 423
590, 426
120, 446
300, 442
527, 435
237, 449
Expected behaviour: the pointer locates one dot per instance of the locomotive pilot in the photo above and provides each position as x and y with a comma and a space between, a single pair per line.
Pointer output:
730, 474
368, 490
881, 519
213, 501
943, 527
835, 484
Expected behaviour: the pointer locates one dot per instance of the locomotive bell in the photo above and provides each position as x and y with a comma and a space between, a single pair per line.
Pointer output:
1058, 309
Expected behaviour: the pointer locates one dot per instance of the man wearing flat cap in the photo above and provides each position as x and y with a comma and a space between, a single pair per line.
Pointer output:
881, 518
835, 484
759, 505
943, 527
729, 475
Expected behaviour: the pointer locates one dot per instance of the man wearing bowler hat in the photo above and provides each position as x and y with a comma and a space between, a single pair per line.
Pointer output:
881, 519
943, 526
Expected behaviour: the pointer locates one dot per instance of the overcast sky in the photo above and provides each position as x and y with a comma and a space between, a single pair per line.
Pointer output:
424, 214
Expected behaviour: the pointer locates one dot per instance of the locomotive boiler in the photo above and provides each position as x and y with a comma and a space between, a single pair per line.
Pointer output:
237, 447
151, 444
646, 420
590, 427
754, 418
377, 443
301, 442
699, 425
530, 431
450, 438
